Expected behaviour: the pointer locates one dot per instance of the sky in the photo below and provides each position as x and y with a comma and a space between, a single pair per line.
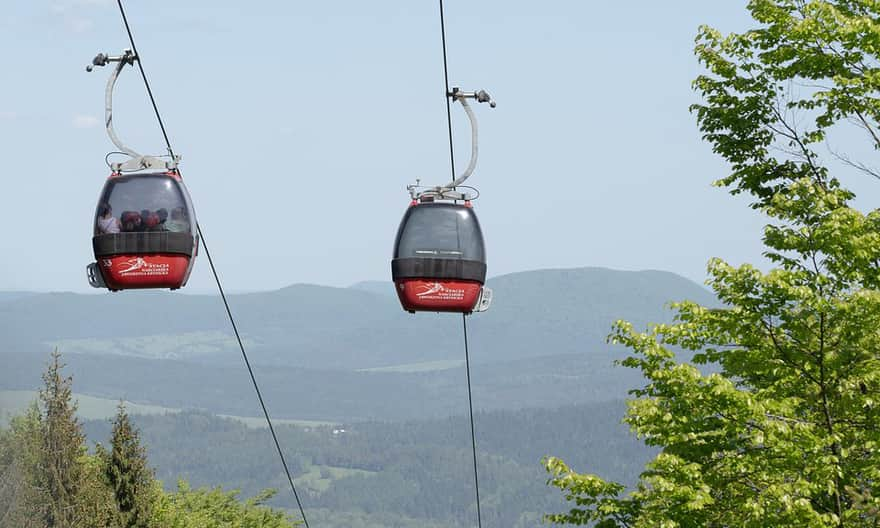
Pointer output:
301, 123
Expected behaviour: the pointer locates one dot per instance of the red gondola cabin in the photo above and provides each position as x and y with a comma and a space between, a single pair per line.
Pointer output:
439, 262
144, 233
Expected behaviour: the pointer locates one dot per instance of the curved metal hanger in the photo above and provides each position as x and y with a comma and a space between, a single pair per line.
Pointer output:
137, 161
448, 191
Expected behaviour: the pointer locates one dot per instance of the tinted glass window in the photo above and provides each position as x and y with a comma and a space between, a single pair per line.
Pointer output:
440, 231
144, 202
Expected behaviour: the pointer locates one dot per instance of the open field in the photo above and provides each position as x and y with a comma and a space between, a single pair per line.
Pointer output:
424, 366
89, 407
319, 478
92, 408
188, 345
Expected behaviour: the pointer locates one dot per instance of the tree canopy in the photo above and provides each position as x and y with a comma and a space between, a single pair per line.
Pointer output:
48, 479
773, 421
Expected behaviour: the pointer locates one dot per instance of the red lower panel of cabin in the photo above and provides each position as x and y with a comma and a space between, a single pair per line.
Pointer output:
420, 295
124, 272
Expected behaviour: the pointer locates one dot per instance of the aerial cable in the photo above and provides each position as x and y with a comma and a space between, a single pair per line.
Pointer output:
216, 276
253, 378
448, 96
446, 90
144, 76
467, 364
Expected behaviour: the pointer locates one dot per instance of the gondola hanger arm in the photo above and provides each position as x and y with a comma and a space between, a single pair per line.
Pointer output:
462, 97
137, 161
448, 192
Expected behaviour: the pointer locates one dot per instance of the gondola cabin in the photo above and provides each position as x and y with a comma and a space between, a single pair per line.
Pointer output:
144, 233
439, 262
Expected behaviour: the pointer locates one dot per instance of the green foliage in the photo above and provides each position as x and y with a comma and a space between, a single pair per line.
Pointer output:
98, 509
127, 473
774, 423
409, 474
60, 467
23, 503
48, 480
214, 508
595, 498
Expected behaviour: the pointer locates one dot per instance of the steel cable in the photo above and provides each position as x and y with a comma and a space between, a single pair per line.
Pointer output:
467, 364
446, 94
464, 316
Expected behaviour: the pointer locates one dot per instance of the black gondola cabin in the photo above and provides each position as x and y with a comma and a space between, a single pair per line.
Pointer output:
439, 262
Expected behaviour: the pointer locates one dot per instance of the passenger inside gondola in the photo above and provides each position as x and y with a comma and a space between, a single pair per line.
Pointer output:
149, 220
131, 221
149, 203
178, 222
107, 223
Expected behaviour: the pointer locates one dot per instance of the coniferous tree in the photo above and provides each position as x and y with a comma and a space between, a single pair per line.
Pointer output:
23, 501
11, 479
48, 480
62, 447
97, 507
128, 473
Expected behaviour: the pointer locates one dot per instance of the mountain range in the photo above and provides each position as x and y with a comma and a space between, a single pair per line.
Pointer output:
351, 353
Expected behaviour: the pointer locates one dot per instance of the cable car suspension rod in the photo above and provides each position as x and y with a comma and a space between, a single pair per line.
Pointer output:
462, 97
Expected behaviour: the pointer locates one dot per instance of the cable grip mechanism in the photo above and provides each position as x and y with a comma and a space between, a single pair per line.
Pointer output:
102, 59
481, 97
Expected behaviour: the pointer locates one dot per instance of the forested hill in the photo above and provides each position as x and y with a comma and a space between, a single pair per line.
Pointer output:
409, 474
536, 313
544, 383
343, 353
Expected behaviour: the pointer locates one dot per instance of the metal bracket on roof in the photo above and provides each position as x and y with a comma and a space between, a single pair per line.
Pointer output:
137, 161
418, 192
145, 162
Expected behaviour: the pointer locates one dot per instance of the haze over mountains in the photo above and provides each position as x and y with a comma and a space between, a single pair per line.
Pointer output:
343, 353
392, 384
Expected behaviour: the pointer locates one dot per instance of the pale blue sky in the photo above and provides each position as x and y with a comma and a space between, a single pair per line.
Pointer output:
301, 123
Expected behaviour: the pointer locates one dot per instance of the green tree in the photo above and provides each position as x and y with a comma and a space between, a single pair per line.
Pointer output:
10, 476
48, 480
128, 474
97, 507
62, 447
215, 508
774, 421
23, 502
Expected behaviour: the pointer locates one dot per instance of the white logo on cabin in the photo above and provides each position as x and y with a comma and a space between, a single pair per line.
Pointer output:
139, 266
438, 292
